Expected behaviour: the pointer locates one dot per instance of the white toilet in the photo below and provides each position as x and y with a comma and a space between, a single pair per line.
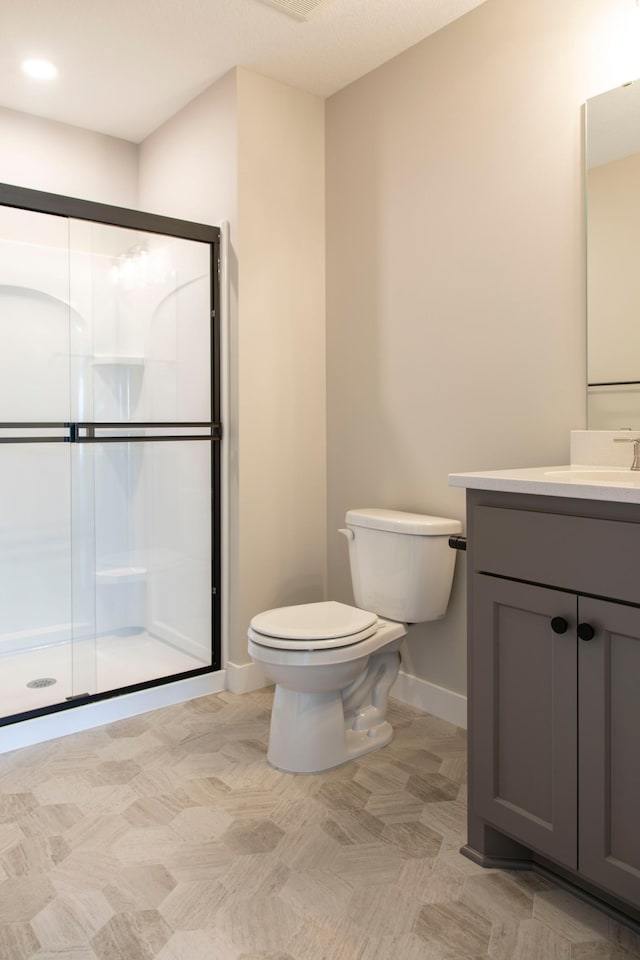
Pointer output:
333, 664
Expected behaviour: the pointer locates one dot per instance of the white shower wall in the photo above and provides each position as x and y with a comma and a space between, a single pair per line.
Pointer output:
35, 554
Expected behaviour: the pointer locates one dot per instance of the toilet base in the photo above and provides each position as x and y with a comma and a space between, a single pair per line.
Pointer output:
308, 734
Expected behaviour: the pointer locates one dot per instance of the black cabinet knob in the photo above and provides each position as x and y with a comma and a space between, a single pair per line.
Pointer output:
586, 631
559, 625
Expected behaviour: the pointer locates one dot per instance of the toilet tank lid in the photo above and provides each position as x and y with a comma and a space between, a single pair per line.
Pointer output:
397, 521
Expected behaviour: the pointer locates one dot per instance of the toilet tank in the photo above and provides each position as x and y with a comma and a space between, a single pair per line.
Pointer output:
401, 563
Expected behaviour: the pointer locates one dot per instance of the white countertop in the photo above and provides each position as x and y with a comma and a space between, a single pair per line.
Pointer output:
576, 481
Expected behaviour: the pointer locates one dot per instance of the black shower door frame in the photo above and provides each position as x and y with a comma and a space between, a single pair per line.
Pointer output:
73, 208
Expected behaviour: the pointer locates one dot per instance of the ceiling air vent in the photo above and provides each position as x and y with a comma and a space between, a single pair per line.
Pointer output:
299, 9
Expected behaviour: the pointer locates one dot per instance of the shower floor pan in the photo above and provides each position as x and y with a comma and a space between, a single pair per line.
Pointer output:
120, 661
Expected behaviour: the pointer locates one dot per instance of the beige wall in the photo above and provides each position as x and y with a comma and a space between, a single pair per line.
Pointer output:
456, 269
59, 158
251, 151
282, 520
188, 169
188, 165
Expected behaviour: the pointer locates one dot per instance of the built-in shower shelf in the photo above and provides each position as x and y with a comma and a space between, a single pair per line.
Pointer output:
117, 360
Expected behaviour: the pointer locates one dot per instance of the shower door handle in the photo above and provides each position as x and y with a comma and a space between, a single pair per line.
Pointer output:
30, 432
148, 431
61, 432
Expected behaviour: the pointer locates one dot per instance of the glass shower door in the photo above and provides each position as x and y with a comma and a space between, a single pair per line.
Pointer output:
36, 618
142, 478
107, 454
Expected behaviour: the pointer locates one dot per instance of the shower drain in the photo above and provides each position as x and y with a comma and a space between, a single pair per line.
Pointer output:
42, 682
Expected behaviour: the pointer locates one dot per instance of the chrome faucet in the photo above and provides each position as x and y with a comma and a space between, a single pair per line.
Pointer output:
636, 449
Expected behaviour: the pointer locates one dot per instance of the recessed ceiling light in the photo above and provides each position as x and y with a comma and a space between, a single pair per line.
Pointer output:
39, 69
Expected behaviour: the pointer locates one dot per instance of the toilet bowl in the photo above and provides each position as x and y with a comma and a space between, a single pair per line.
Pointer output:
347, 656
334, 664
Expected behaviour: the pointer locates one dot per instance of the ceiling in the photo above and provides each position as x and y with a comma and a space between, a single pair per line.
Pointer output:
125, 66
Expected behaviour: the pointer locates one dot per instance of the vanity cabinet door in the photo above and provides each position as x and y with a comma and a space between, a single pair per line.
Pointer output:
609, 671
524, 714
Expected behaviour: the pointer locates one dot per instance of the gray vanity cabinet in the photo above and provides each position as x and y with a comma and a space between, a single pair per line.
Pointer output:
554, 690
525, 689
609, 755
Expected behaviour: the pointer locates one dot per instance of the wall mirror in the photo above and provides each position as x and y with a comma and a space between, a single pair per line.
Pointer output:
612, 154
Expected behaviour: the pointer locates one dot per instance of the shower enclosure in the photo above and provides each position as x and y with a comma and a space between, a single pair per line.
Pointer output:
109, 451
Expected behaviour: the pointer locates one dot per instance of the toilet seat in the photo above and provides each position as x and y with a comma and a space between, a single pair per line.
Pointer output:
313, 626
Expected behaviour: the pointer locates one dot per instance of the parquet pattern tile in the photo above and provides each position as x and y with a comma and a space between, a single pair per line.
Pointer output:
169, 837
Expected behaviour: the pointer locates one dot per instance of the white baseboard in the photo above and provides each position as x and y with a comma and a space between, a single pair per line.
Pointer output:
438, 701
245, 677
90, 715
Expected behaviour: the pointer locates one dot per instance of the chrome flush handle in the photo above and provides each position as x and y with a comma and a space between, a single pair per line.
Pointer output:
636, 449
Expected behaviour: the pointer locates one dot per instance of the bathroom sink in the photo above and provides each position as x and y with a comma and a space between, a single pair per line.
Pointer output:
622, 477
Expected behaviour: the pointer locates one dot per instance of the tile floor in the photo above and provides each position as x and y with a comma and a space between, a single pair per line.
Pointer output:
168, 836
